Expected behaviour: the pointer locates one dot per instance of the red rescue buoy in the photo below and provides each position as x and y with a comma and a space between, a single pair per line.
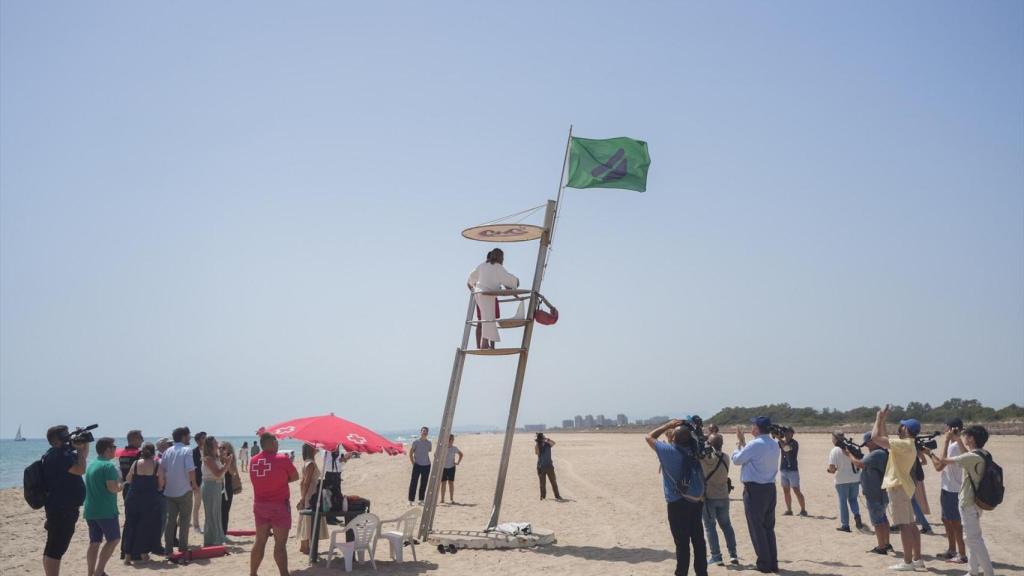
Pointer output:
546, 318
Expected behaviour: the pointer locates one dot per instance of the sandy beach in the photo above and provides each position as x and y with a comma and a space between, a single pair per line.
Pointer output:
612, 524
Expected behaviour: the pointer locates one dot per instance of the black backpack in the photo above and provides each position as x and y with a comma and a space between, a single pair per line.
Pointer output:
35, 485
988, 493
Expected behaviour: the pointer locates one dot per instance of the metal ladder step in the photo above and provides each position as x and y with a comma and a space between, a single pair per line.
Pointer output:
495, 351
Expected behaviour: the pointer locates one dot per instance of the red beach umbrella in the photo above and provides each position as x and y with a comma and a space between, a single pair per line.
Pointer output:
328, 432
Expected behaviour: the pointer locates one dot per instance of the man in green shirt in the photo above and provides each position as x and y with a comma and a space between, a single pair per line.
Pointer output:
102, 483
973, 464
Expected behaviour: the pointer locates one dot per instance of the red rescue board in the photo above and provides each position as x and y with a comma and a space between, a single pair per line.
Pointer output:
197, 554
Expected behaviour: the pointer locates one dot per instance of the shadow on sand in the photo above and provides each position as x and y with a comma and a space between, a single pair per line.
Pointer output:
616, 554
338, 567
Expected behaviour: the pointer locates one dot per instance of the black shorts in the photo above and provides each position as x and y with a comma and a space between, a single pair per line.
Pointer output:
60, 527
448, 475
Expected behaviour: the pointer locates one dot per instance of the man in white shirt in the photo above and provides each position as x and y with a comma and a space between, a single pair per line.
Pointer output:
448, 474
952, 480
847, 484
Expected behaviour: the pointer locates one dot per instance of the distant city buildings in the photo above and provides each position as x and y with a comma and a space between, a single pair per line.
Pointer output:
591, 422
535, 427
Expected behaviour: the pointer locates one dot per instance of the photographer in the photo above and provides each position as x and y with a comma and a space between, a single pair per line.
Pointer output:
789, 473
952, 479
872, 469
683, 484
716, 501
64, 465
847, 483
760, 464
900, 485
545, 466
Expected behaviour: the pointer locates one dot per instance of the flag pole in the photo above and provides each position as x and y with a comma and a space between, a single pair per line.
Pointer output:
558, 199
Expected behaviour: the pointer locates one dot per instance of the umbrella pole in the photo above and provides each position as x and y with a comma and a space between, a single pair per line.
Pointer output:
314, 537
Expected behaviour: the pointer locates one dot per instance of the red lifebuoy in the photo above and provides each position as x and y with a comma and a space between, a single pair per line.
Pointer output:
546, 318
240, 532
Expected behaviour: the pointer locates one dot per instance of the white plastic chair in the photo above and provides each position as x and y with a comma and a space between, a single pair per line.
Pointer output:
365, 528
405, 530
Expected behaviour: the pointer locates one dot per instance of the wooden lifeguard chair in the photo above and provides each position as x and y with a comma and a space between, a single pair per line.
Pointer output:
487, 538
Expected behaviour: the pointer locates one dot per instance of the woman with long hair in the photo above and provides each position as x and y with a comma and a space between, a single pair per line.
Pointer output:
231, 477
243, 455
307, 489
487, 277
213, 469
142, 508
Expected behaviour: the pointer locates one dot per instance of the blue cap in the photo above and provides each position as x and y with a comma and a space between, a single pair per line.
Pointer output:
762, 422
867, 437
913, 426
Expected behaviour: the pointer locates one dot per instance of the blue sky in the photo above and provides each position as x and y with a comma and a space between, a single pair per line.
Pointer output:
230, 214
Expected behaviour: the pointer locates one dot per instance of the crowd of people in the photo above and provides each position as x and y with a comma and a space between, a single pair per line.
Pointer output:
164, 486
696, 486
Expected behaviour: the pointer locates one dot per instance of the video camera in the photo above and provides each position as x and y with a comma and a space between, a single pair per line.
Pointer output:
927, 441
850, 447
696, 427
779, 432
81, 435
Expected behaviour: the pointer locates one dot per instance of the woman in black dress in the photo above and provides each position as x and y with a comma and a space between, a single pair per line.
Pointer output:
142, 508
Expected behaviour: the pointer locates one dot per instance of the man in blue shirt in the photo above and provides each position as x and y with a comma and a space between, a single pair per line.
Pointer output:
760, 464
683, 481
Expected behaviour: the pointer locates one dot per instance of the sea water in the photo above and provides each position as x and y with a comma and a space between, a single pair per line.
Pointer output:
15, 456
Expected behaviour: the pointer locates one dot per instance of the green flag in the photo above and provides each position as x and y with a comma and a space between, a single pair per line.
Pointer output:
611, 163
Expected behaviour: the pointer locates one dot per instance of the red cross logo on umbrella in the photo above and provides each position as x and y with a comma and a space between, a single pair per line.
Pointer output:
356, 438
284, 430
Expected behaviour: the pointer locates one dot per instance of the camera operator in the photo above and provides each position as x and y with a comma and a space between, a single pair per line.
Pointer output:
789, 473
847, 482
716, 501
683, 484
900, 485
872, 469
63, 467
760, 465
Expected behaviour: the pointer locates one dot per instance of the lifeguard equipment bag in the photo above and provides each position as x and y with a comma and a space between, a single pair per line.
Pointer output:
35, 485
988, 493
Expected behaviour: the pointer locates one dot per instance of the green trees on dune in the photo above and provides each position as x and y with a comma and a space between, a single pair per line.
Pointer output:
968, 410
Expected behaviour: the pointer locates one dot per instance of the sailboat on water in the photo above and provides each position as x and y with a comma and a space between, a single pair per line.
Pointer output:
17, 436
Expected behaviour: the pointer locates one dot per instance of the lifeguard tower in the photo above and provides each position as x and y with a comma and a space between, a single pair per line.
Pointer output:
611, 163
496, 232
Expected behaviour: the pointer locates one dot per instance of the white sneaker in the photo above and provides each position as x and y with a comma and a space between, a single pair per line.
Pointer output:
919, 564
902, 567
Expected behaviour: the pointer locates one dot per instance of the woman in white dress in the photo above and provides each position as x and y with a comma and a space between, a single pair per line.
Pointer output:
489, 276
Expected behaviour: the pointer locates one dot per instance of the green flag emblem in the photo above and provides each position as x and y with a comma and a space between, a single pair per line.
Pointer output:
611, 163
